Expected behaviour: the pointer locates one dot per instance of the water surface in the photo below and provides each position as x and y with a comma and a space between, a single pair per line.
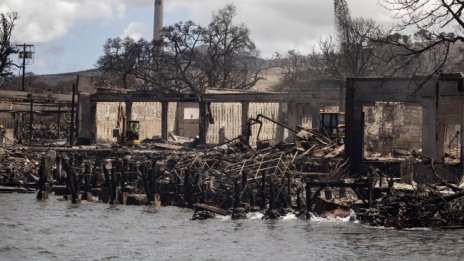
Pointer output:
56, 230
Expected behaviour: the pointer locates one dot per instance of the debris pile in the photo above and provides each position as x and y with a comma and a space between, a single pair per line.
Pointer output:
412, 209
44, 132
435, 202
306, 175
18, 167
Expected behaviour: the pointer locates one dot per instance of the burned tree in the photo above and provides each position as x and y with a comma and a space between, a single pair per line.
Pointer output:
123, 59
347, 54
190, 57
297, 67
7, 23
351, 54
220, 55
438, 24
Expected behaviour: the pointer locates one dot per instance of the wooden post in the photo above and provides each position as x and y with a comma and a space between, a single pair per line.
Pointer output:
244, 186
271, 195
187, 188
205, 193
289, 196
58, 167
246, 131
108, 177
371, 201
253, 198
42, 194
308, 199
77, 114
59, 120
164, 120
31, 118
87, 192
237, 194
298, 199
263, 190
145, 178
124, 170
202, 123
222, 135
462, 137
73, 185
71, 134
76, 131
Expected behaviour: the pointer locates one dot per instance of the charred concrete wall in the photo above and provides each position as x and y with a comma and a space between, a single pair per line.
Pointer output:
226, 115
441, 99
449, 126
148, 113
391, 126
106, 118
230, 109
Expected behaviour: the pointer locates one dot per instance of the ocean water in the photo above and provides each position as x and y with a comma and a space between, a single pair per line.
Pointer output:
57, 230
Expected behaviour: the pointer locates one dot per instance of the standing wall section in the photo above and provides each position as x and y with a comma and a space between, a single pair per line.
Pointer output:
106, 119
268, 109
228, 116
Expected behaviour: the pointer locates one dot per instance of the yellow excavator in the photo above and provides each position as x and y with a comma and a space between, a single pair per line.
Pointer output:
126, 133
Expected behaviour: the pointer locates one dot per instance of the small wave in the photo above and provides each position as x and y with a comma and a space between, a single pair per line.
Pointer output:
113, 208
224, 218
46, 252
8, 248
350, 218
289, 216
150, 210
417, 229
255, 215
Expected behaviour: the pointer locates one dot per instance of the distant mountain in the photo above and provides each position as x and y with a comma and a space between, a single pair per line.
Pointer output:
58, 79
56, 83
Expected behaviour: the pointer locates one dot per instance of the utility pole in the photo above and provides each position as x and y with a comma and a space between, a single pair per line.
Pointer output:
25, 55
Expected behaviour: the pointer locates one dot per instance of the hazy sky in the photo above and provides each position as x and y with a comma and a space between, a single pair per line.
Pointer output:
69, 34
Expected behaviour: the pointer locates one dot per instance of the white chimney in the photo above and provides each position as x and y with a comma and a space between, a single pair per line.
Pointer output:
158, 23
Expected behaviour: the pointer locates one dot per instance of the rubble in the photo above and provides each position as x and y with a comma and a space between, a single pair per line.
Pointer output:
307, 175
18, 167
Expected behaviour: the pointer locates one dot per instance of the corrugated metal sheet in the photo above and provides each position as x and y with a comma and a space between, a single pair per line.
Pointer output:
149, 115
107, 115
269, 109
228, 116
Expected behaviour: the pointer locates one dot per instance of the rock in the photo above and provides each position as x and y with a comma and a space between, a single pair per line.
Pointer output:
203, 215
239, 213
60, 190
271, 214
136, 199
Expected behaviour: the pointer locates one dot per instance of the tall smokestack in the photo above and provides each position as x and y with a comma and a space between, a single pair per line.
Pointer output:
158, 23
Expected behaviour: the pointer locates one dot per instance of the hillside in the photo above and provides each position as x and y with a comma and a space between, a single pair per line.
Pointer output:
56, 83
